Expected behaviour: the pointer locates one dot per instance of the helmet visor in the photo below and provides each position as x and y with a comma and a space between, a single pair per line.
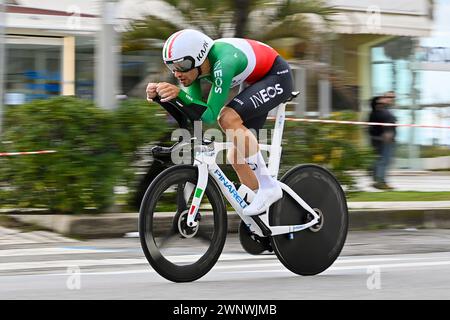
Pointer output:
182, 65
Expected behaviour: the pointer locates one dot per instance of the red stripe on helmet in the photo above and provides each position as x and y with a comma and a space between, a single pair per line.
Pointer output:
171, 44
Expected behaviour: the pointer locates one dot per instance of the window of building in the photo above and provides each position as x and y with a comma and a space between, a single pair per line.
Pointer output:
33, 68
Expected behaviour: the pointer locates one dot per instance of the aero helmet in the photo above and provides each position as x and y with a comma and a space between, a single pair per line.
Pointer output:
186, 49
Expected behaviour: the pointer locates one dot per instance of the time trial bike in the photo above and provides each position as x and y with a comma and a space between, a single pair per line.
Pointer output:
183, 217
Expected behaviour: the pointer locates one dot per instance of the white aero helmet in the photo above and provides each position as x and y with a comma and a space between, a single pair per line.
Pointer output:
186, 49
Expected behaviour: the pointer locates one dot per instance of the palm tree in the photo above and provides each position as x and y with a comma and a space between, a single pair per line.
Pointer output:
257, 19
210, 17
281, 23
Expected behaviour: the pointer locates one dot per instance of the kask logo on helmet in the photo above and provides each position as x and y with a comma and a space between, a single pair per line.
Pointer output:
202, 51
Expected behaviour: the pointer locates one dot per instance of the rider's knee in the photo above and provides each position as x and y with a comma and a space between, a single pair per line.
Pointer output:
229, 119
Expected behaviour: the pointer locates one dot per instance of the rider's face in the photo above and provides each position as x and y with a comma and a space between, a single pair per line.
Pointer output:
186, 78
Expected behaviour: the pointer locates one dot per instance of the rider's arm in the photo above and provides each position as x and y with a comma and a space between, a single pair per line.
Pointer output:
192, 99
222, 75
194, 90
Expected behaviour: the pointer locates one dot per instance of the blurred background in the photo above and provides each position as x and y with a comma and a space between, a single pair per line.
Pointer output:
73, 77
76, 133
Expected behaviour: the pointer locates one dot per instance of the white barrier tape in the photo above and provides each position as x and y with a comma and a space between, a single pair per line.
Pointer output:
4, 154
7, 154
364, 123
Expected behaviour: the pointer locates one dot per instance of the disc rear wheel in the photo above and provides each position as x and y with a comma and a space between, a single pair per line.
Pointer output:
310, 251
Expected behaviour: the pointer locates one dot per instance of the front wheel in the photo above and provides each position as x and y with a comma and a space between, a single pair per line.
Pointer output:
310, 251
178, 252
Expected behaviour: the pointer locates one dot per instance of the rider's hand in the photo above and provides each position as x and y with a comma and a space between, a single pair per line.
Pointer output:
151, 91
167, 91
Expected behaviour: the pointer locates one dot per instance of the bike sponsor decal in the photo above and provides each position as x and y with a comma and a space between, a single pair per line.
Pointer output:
264, 95
231, 189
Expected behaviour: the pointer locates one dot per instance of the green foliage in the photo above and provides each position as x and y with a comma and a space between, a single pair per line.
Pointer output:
94, 149
402, 151
334, 146
399, 196
97, 150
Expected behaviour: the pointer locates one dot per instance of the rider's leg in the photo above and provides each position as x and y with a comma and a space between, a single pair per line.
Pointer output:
251, 107
245, 174
246, 144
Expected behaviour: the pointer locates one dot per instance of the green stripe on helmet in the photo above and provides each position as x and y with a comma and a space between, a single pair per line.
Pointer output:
168, 43
166, 46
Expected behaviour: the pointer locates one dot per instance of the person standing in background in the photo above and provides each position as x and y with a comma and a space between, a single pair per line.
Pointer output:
382, 137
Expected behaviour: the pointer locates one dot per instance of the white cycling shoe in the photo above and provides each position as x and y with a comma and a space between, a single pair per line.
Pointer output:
263, 199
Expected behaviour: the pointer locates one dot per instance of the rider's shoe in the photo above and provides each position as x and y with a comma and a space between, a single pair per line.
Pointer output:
263, 200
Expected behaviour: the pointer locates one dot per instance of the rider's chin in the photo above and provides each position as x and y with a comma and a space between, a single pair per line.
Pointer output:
186, 83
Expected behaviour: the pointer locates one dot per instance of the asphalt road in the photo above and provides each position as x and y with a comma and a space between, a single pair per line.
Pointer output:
390, 264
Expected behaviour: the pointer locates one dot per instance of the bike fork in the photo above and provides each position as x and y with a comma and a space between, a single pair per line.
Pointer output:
198, 194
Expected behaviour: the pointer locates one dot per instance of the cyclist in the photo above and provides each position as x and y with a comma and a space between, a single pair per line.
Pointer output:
226, 63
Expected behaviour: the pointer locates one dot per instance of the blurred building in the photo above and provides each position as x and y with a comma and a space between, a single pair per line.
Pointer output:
48, 51
368, 53
401, 46
376, 46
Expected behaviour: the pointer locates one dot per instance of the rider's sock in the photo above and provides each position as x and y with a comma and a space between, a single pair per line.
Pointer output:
269, 190
258, 165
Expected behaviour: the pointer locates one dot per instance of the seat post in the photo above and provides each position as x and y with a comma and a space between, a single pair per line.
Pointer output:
275, 147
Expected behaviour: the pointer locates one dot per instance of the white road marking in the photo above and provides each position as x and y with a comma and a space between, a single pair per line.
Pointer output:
359, 267
187, 258
266, 270
67, 263
50, 251
123, 262
13, 236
